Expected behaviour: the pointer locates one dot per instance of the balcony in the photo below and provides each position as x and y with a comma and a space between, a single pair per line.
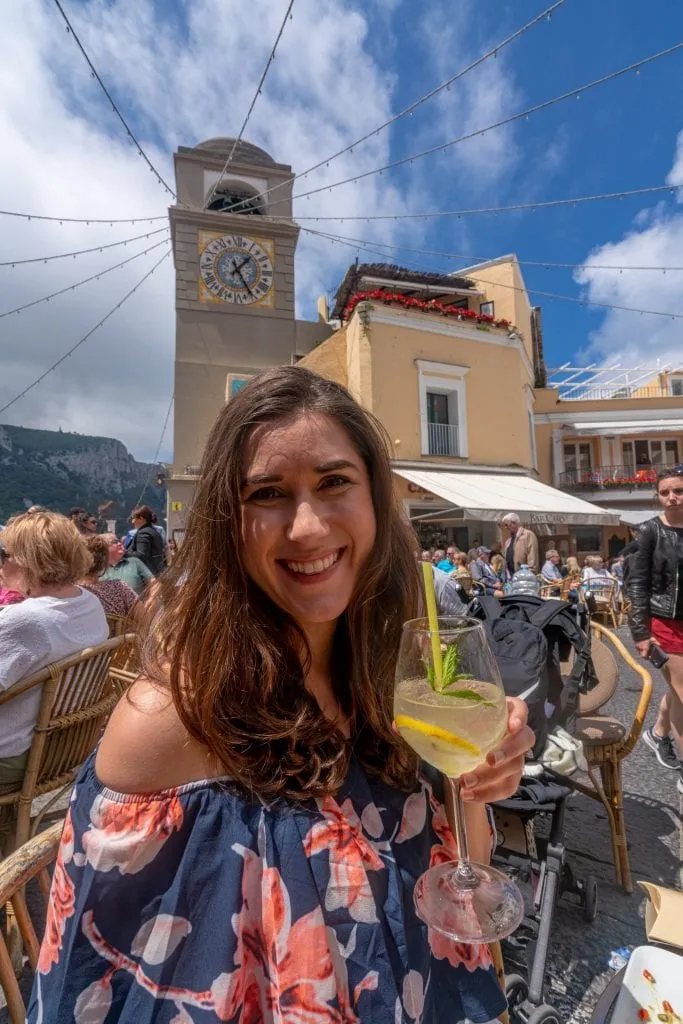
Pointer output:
443, 439
610, 478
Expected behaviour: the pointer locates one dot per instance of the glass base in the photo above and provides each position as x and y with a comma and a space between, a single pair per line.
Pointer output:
484, 907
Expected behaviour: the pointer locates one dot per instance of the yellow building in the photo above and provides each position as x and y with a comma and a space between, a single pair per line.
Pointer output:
447, 364
603, 433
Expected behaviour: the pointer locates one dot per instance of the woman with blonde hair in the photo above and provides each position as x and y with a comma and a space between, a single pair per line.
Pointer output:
245, 843
573, 567
42, 555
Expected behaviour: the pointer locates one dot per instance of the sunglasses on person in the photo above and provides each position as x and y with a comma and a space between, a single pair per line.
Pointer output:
4, 554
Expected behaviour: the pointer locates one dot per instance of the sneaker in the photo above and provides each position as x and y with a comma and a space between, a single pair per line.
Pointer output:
663, 749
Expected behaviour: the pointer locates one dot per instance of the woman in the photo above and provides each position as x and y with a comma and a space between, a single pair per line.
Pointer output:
573, 567
147, 544
655, 589
116, 597
497, 563
41, 555
594, 573
250, 804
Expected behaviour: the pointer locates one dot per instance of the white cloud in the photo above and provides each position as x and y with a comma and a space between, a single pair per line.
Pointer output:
66, 154
675, 176
656, 240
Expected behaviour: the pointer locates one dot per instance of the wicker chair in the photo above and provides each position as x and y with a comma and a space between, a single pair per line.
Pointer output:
118, 624
607, 742
77, 697
124, 667
605, 597
20, 867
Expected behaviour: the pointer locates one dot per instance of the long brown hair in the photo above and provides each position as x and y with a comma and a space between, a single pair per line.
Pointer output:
233, 656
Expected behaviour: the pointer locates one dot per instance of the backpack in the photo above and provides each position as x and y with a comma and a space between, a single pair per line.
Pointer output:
538, 679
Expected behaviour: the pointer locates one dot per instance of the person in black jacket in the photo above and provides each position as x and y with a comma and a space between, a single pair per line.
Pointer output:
655, 588
147, 544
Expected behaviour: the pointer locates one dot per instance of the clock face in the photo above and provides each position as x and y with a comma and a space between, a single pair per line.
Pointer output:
236, 269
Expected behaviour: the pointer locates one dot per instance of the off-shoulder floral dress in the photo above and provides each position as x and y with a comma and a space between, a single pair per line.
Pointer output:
199, 904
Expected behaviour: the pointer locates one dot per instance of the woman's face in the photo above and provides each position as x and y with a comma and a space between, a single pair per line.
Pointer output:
11, 575
670, 491
308, 522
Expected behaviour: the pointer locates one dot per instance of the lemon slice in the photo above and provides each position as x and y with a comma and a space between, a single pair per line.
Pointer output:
437, 733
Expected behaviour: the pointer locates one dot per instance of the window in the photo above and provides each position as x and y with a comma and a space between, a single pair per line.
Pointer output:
443, 418
577, 458
649, 453
588, 538
486, 308
677, 386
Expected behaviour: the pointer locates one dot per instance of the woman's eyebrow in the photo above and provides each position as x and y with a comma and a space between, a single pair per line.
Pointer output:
276, 478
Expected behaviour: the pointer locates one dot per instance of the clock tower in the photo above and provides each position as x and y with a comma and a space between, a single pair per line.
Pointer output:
233, 247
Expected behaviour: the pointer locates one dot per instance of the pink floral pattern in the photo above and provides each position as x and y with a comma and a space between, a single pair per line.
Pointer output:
199, 905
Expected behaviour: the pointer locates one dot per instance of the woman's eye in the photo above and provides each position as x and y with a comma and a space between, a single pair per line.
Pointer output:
334, 481
264, 494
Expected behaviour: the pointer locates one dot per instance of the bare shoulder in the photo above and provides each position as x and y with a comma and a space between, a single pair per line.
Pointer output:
146, 748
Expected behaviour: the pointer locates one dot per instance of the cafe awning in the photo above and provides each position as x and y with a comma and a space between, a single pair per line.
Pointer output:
612, 428
635, 516
488, 496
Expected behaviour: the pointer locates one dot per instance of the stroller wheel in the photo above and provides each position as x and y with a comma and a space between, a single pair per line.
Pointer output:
589, 897
516, 990
544, 1014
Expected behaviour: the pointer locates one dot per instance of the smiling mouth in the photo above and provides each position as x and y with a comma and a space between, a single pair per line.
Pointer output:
314, 569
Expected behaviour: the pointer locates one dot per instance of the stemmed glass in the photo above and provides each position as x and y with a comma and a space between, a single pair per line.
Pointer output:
449, 705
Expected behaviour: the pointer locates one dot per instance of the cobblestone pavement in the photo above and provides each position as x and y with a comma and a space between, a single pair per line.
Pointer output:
577, 966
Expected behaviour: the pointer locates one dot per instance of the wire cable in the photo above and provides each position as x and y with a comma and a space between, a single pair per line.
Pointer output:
82, 220
129, 133
469, 258
72, 287
515, 207
408, 111
155, 460
516, 288
81, 252
85, 337
442, 147
259, 87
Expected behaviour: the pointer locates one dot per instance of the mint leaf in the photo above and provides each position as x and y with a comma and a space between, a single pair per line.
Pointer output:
451, 661
469, 695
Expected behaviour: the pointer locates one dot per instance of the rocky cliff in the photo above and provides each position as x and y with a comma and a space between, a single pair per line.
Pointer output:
59, 470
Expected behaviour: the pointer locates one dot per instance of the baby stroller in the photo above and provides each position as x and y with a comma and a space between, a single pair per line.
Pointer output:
530, 638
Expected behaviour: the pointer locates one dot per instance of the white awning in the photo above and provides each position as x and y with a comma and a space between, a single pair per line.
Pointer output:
601, 428
635, 516
488, 496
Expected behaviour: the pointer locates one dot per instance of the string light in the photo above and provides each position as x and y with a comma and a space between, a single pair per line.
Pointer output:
129, 133
84, 220
442, 147
259, 87
155, 461
94, 277
545, 264
515, 207
516, 288
446, 85
85, 337
81, 252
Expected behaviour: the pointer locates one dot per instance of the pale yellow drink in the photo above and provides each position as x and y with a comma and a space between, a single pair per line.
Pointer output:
452, 733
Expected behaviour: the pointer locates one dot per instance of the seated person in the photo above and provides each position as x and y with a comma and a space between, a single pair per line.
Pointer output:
116, 596
497, 563
42, 555
124, 566
594, 575
483, 573
447, 564
460, 567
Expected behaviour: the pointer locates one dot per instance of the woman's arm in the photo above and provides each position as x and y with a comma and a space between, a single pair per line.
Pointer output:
640, 584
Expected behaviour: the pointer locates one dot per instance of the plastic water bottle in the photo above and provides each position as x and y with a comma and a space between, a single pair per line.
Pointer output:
524, 582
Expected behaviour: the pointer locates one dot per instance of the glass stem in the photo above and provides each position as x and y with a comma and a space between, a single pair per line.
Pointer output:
465, 877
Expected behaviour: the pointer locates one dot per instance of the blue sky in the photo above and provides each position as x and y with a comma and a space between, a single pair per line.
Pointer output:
185, 71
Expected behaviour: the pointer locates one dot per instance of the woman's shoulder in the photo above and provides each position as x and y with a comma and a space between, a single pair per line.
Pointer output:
146, 748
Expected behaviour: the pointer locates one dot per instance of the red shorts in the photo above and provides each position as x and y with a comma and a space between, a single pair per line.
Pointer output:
669, 634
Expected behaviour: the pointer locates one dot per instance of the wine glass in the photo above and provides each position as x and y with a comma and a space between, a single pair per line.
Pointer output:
449, 705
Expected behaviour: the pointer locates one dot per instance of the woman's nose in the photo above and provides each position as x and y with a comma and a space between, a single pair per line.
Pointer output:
307, 523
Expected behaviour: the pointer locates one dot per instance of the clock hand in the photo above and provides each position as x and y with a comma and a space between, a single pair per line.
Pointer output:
241, 277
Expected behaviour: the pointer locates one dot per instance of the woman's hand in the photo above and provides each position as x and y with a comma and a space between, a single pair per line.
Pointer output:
643, 646
500, 776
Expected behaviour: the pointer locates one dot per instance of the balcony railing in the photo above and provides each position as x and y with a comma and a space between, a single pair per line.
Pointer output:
611, 478
443, 439
591, 394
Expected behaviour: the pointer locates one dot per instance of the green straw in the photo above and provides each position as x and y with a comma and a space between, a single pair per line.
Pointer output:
433, 617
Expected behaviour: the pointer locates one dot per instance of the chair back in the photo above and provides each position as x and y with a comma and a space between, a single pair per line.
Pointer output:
76, 700
117, 624
607, 672
124, 667
602, 590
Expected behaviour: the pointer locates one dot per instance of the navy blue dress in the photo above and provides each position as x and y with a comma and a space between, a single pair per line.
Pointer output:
199, 904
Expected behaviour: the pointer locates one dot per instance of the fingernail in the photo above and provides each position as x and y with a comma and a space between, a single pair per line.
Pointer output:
470, 781
496, 758
467, 795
